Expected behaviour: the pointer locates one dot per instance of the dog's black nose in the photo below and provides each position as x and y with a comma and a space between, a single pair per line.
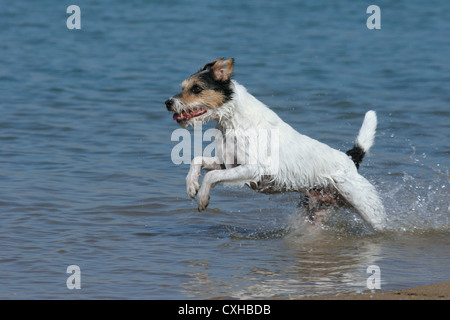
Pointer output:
169, 104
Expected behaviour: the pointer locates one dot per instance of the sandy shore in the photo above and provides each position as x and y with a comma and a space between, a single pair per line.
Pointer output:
435, 291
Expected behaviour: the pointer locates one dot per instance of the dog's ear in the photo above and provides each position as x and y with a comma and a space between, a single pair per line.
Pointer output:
208, 66
222, 68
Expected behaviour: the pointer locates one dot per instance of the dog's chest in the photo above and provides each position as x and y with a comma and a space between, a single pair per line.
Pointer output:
231, 148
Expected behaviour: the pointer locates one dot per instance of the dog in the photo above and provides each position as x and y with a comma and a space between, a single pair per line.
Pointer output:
323, 174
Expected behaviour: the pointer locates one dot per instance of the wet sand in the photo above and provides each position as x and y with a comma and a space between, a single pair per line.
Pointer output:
435, 291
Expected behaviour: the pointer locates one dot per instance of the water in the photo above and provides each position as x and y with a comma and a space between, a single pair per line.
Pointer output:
85, 171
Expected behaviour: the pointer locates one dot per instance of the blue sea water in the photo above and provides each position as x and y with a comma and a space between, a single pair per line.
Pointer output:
86, 176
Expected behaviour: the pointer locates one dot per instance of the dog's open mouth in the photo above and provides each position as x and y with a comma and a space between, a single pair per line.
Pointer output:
189, 114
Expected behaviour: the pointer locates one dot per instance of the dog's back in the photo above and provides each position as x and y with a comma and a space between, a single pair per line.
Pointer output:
302, 161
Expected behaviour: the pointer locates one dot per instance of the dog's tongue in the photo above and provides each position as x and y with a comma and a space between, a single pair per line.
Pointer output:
186, 116
176, 116
182, 116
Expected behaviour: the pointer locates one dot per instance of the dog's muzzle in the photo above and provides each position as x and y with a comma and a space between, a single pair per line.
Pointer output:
183, 114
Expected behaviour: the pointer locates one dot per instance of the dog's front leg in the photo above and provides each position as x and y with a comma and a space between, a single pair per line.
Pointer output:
208, 163
241, 173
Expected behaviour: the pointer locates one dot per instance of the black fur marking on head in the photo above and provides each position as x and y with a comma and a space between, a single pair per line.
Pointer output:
208, 66
224, 87
357, 154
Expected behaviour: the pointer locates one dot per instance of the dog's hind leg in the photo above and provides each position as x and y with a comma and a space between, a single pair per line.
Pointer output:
361, 194
318, 205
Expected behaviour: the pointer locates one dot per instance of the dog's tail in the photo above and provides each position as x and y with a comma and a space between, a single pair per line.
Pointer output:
365, 138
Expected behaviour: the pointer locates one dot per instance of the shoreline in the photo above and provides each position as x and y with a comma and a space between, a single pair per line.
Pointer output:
434, 291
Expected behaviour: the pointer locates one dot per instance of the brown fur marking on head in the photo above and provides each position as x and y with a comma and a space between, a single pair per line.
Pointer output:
206, 97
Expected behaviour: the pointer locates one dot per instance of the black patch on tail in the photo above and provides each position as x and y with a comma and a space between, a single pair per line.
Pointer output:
357, 154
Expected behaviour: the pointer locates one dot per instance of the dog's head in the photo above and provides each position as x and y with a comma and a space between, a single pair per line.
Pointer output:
203, 93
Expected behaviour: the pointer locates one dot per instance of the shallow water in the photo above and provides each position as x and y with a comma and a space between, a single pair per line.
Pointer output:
86, 176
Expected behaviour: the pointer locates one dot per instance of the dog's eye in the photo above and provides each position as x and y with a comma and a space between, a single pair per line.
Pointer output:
196, 89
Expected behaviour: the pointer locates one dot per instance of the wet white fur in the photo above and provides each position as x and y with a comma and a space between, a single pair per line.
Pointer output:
304, 163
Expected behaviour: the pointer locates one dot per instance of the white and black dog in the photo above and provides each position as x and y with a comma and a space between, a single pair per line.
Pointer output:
323, 174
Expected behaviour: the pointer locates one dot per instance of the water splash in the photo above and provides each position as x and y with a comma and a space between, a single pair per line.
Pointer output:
413, 204
417, 203
416, 192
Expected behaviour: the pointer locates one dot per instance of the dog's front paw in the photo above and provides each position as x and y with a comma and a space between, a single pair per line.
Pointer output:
202, 200
192, 184
192, 187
